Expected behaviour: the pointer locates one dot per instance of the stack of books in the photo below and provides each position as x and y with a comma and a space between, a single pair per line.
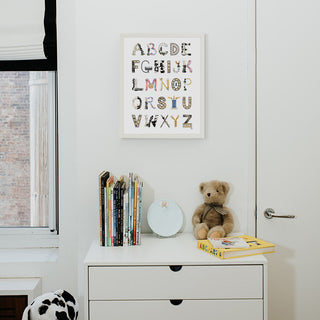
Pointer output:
120, 204
235, 247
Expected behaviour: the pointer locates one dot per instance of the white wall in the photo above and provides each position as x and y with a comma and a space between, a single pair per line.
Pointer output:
89, 109
170, 168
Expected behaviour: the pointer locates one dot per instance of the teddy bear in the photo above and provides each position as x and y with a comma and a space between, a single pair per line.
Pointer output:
211, 219
58, 305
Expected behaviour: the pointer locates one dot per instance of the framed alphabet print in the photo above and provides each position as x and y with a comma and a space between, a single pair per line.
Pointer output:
162, 81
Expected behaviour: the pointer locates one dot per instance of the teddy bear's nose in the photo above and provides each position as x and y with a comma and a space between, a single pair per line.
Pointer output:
208, 194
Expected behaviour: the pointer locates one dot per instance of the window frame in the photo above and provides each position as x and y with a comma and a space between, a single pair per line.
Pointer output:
42, 237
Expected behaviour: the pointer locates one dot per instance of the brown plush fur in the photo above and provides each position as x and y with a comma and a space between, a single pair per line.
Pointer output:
214, 224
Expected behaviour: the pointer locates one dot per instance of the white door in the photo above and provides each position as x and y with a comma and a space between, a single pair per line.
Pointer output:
288, 131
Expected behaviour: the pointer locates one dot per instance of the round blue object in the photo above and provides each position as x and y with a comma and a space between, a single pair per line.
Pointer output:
165, 218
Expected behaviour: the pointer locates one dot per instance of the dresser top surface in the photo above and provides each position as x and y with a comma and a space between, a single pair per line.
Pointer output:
179, 250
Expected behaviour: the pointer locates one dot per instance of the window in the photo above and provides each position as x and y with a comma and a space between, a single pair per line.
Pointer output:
28, 159
28, 124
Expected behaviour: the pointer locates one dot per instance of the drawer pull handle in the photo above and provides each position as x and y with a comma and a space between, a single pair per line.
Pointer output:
176, 302
175, 268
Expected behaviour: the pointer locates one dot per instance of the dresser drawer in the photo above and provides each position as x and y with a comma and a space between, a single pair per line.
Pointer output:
187, 310
191, 282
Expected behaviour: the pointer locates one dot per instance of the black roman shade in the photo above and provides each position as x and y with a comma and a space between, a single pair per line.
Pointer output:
34, 45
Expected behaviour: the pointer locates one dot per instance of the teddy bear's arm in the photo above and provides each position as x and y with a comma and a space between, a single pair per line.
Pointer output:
196, 218
228, 222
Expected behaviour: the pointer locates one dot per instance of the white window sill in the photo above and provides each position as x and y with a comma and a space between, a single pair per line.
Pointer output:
10, 238
29, 255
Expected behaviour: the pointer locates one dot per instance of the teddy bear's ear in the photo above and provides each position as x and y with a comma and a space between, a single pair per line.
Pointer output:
201, 187
225, 187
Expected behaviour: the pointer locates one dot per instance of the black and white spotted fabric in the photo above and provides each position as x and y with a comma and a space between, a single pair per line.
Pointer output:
58, 305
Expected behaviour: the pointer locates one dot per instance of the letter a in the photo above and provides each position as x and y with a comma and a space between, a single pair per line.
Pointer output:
136, 48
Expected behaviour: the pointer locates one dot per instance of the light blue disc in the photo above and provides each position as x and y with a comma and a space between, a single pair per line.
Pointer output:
165, 218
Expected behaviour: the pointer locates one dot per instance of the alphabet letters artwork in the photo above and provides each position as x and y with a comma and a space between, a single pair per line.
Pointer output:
162, 86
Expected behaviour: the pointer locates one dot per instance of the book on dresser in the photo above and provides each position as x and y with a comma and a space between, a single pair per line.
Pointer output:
108, 225
116, 198
120, 207
103, 177
229, 250
120, 212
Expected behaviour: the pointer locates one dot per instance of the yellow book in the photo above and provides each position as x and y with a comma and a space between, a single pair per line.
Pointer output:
256, 246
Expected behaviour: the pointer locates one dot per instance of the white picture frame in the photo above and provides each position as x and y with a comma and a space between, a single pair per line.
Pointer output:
162, 86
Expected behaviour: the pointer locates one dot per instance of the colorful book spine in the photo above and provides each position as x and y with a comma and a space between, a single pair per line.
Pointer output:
129, 208
120, 214
115, 213
135, 214
100, 206
109, 217
140, 212
106, 216
131, 212
125, 218
103, 176
112, 217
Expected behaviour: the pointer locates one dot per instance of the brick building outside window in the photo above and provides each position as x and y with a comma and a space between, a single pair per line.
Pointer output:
26, 149
14, 149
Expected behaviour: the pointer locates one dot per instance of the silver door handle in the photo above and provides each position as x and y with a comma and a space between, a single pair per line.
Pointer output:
269, 213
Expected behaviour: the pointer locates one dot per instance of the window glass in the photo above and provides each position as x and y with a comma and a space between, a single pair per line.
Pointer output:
26, 119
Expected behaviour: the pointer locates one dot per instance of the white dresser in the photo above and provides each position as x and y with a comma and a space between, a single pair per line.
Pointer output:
171, 279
